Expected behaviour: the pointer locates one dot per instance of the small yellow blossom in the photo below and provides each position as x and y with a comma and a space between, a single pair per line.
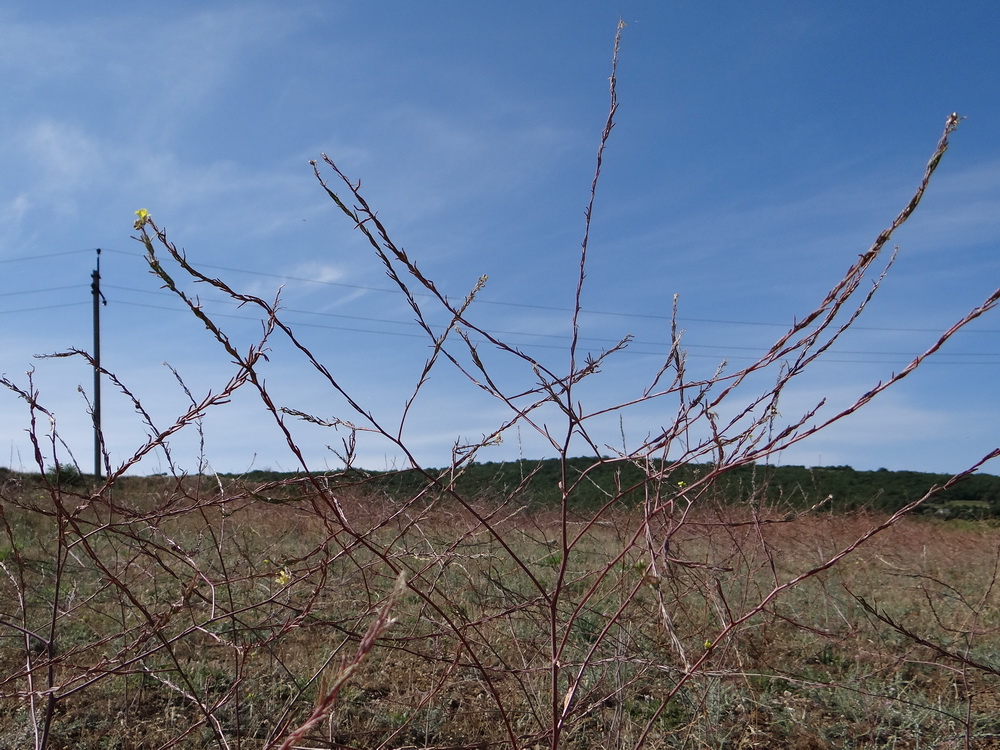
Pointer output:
708, 644
284, 577
142, 217
682, 484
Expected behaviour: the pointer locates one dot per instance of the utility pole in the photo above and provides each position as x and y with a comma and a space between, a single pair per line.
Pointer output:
98, 298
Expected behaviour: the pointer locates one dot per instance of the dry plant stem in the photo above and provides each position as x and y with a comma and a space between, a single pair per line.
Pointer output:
17, 578
247, 364
747, 443
845, 288
158, 439
249, 374
963, 659
790, 436
155, 623
560, 706
30, 396
805, 344
248, 368
588, 213
329, 693
551, 387
779, 589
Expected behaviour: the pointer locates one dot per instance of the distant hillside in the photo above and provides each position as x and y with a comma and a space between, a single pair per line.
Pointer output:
536, 483
790, 487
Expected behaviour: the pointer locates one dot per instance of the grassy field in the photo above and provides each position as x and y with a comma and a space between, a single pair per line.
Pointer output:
196, 614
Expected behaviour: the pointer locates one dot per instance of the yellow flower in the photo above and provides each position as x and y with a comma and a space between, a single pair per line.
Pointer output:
284, 577
708, 644
142, 217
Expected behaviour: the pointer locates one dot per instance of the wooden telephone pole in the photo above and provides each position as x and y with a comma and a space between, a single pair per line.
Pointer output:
98, 299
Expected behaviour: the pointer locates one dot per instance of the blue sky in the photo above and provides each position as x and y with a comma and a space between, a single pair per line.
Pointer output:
759, 148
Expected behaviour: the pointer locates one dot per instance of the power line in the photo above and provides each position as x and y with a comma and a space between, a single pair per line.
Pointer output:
366, 319
722, 348
45, 255
485, 301
40, 291
46, 307
904, 356
550, 308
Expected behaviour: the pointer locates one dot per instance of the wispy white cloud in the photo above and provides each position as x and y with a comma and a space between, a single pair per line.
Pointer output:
14, 210
61, 157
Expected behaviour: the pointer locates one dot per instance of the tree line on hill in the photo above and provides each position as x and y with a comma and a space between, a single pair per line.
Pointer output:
537, 483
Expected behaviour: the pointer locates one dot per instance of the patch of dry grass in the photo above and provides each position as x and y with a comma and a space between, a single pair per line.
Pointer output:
174, 619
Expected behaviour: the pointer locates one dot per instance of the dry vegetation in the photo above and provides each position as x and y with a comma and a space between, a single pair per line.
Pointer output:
189, 611
184, 616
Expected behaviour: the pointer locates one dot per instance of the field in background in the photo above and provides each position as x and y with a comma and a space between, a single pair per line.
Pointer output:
193, 614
